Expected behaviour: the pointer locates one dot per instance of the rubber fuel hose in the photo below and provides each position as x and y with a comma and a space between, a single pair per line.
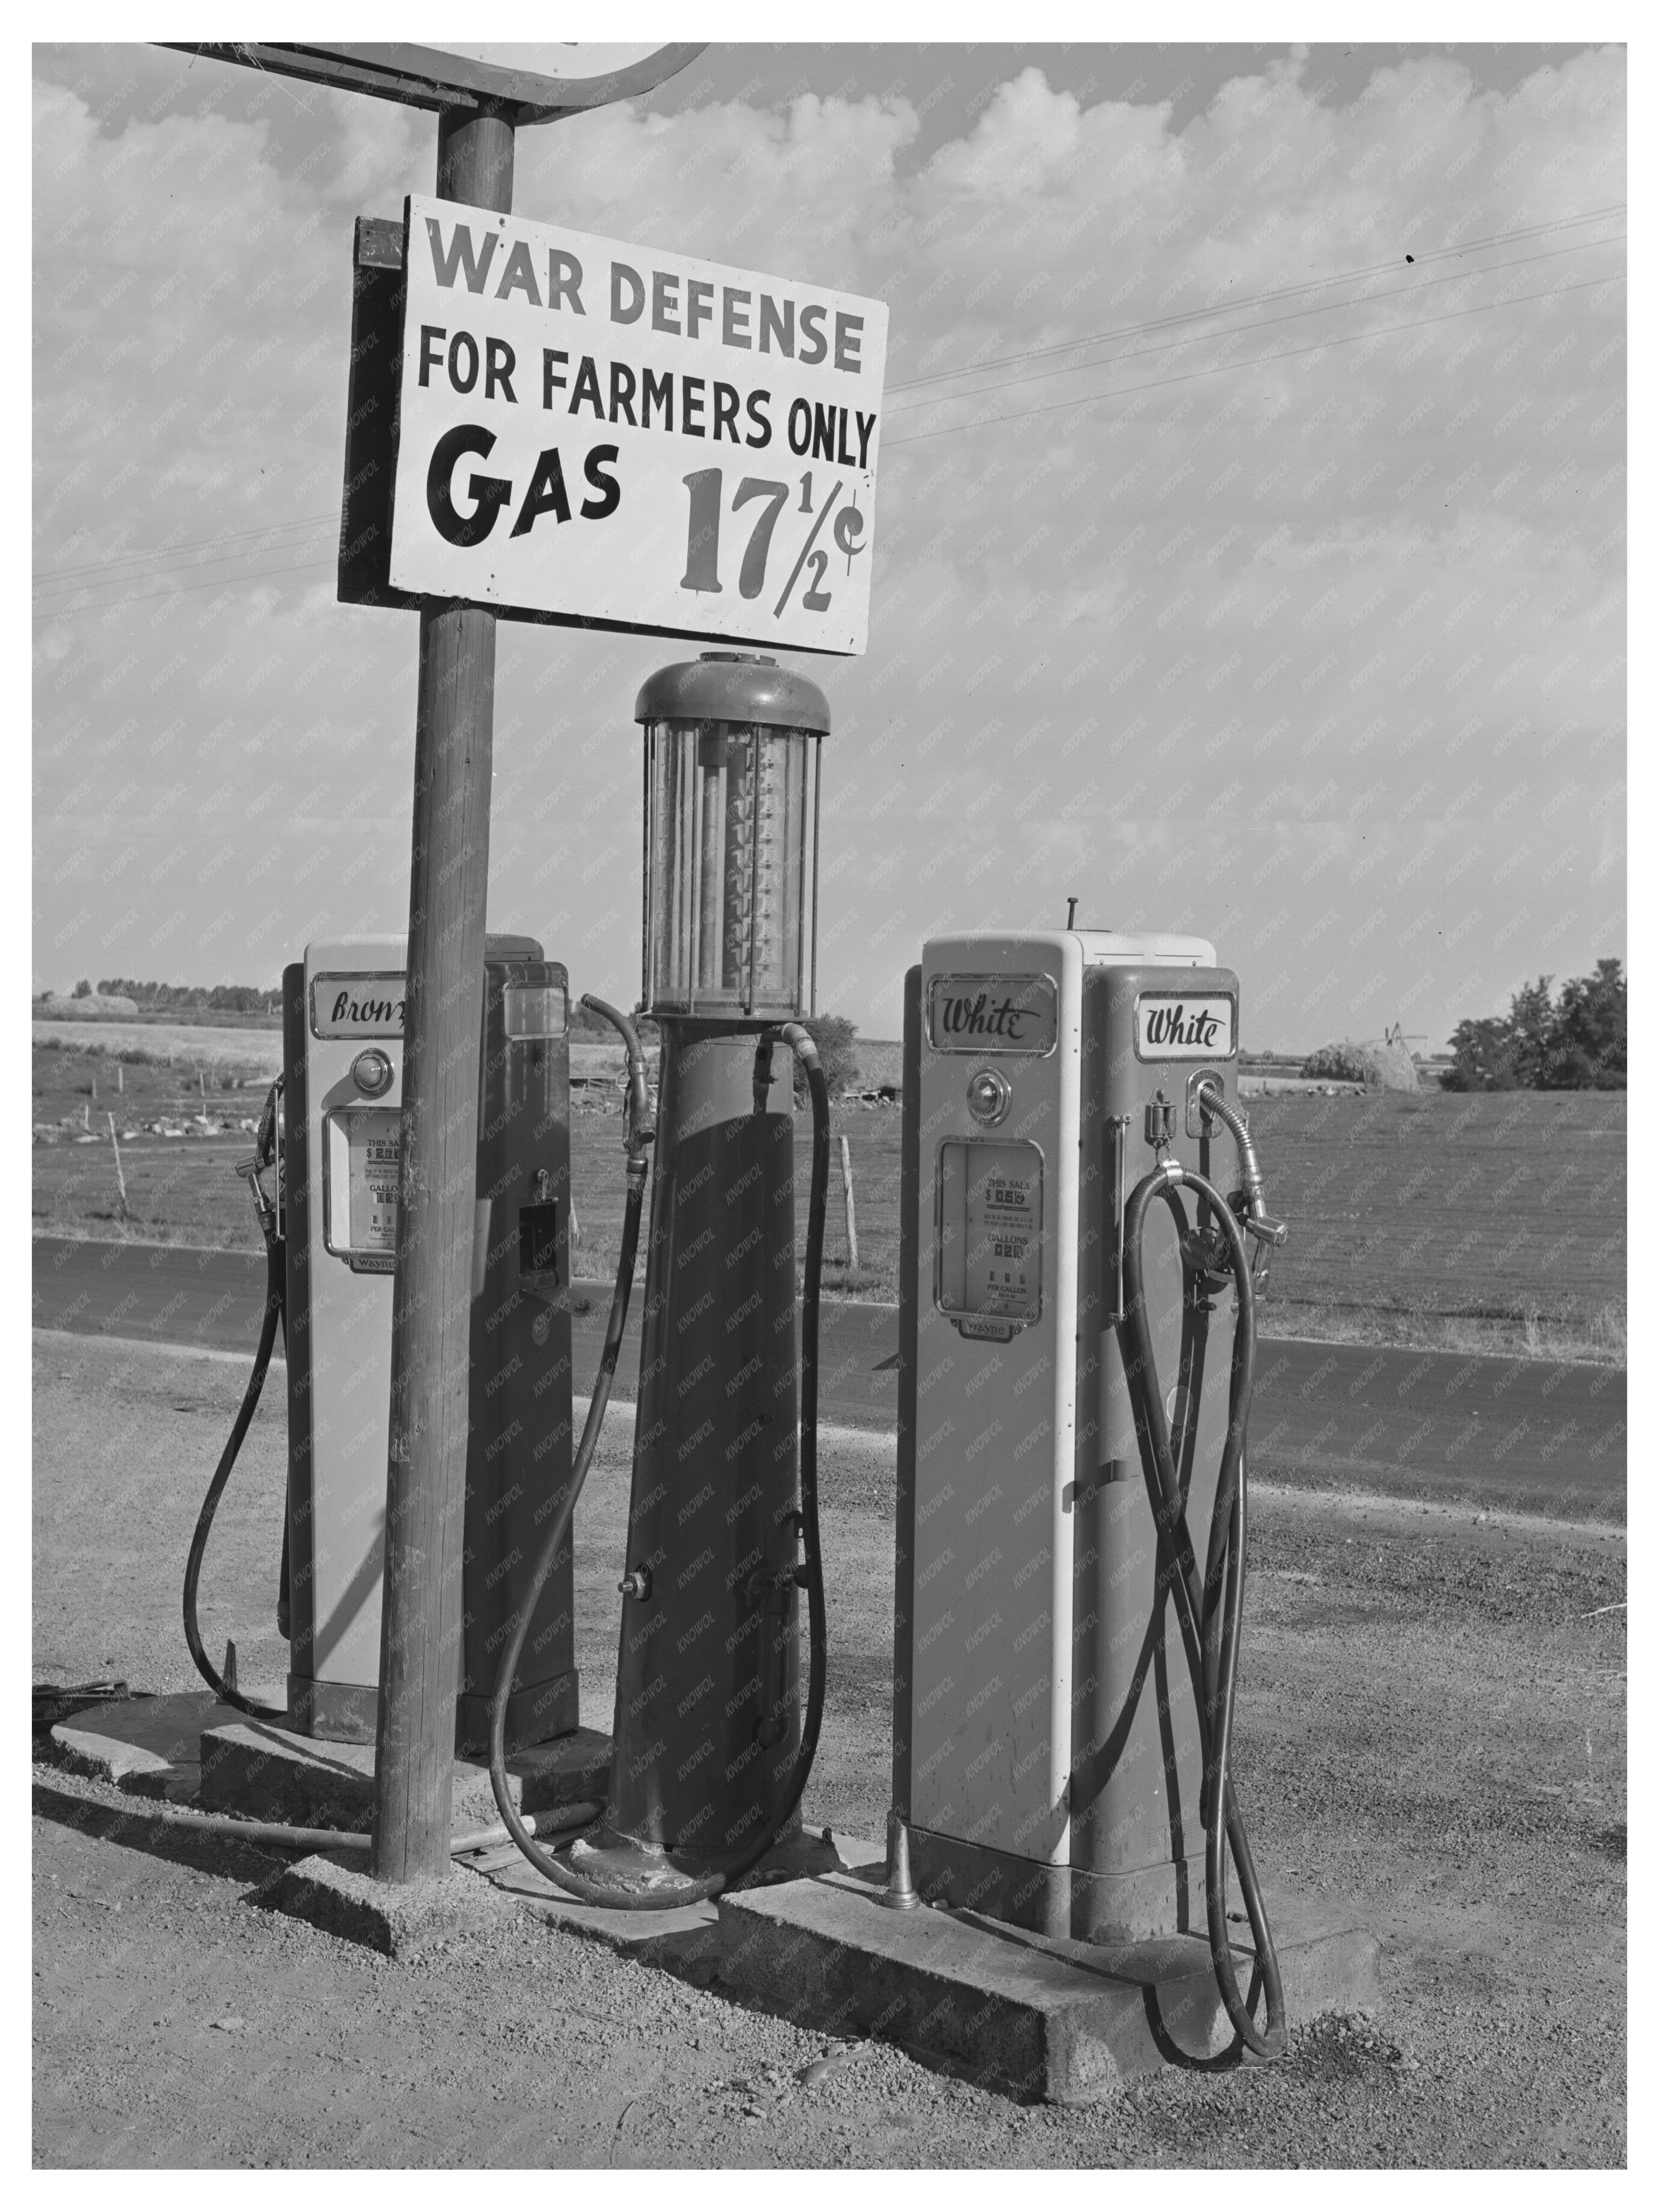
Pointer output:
198, 1543
592, 1889
1210, 1608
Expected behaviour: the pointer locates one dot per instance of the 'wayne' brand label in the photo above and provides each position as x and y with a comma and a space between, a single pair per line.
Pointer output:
985, 1014
1178, 1025
357, 1006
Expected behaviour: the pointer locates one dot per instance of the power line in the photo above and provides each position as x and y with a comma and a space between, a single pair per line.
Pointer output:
195, 545
1259, 360
165, 555
1257, 298
1264, 322
208, 584
67, 593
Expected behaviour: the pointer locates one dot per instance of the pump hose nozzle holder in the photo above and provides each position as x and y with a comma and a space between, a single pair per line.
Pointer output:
1210, 1608
638, 1130
1257, 1222
591, 1888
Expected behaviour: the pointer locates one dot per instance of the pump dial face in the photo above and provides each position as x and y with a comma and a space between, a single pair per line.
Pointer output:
988, 1095
372, 1073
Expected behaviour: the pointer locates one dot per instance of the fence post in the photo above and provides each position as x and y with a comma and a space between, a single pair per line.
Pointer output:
120, 1176
852, 1219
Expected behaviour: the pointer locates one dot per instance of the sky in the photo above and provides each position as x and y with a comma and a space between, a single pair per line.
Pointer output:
1249, 558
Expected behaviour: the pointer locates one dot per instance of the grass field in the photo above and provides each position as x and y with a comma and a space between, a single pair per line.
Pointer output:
1474, 1222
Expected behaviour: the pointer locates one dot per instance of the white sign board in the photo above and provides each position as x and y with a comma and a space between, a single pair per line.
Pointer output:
603, 431
1183, 1025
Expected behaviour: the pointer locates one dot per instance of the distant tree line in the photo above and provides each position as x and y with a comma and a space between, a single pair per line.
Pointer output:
223, 998
1572, 1043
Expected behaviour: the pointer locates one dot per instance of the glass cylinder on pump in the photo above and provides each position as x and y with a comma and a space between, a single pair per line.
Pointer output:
731, 789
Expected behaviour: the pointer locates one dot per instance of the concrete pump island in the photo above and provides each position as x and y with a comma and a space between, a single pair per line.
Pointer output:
1081, 1693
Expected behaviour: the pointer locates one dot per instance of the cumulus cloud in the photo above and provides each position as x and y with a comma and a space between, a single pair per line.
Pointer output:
1249, 558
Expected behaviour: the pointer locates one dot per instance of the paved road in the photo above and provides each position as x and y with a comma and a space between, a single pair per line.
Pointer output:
1524, 1432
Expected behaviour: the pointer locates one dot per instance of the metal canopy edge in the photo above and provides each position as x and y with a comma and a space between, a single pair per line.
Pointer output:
425, 77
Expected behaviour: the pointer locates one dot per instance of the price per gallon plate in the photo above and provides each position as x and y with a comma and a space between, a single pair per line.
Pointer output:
603, 431
990, 1230
359, 1201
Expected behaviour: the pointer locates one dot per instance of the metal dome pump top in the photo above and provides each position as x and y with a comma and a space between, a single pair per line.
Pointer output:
731, 789
736, 687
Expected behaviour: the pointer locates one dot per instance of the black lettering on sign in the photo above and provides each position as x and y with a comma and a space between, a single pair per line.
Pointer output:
1181, 1025
520, 277
498, 369
629, 309
657, 391
473, 263
1173, 1025
777, 323
355, 1005
564, 280
489, 494
987, 1014
594, 468
984, 1016
459, 381
546, 494
587, 388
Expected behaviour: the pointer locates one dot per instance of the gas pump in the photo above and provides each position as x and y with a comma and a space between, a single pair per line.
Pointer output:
710, 1746
1077, 1335
331, 1231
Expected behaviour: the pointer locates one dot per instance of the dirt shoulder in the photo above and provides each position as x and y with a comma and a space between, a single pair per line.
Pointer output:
1431, 1741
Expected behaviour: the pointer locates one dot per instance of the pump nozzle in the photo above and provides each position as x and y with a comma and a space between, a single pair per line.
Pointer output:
1259, 1223
764, 1045
640, 1130
1255, 1218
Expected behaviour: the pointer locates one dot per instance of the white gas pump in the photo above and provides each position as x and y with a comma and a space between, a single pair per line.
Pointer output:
1070, 1410
331, 1228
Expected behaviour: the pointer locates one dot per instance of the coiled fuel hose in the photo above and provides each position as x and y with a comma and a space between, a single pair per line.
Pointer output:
591, 1888
1211, 1607
264, 1153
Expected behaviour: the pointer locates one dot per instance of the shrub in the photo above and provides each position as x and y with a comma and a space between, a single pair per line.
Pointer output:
1577, 1044
835, 1037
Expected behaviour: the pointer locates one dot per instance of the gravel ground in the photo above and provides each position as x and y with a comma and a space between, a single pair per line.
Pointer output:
1430, 1743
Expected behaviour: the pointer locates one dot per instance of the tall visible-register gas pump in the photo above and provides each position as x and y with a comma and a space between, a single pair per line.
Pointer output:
710, 1751
1072, 1481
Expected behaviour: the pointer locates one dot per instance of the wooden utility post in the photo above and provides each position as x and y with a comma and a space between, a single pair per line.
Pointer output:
449, 874
479, 95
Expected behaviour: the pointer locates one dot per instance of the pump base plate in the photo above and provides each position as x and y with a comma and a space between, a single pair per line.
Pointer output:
1033, 2017
683, 1939
268, 1773
1138, 1906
